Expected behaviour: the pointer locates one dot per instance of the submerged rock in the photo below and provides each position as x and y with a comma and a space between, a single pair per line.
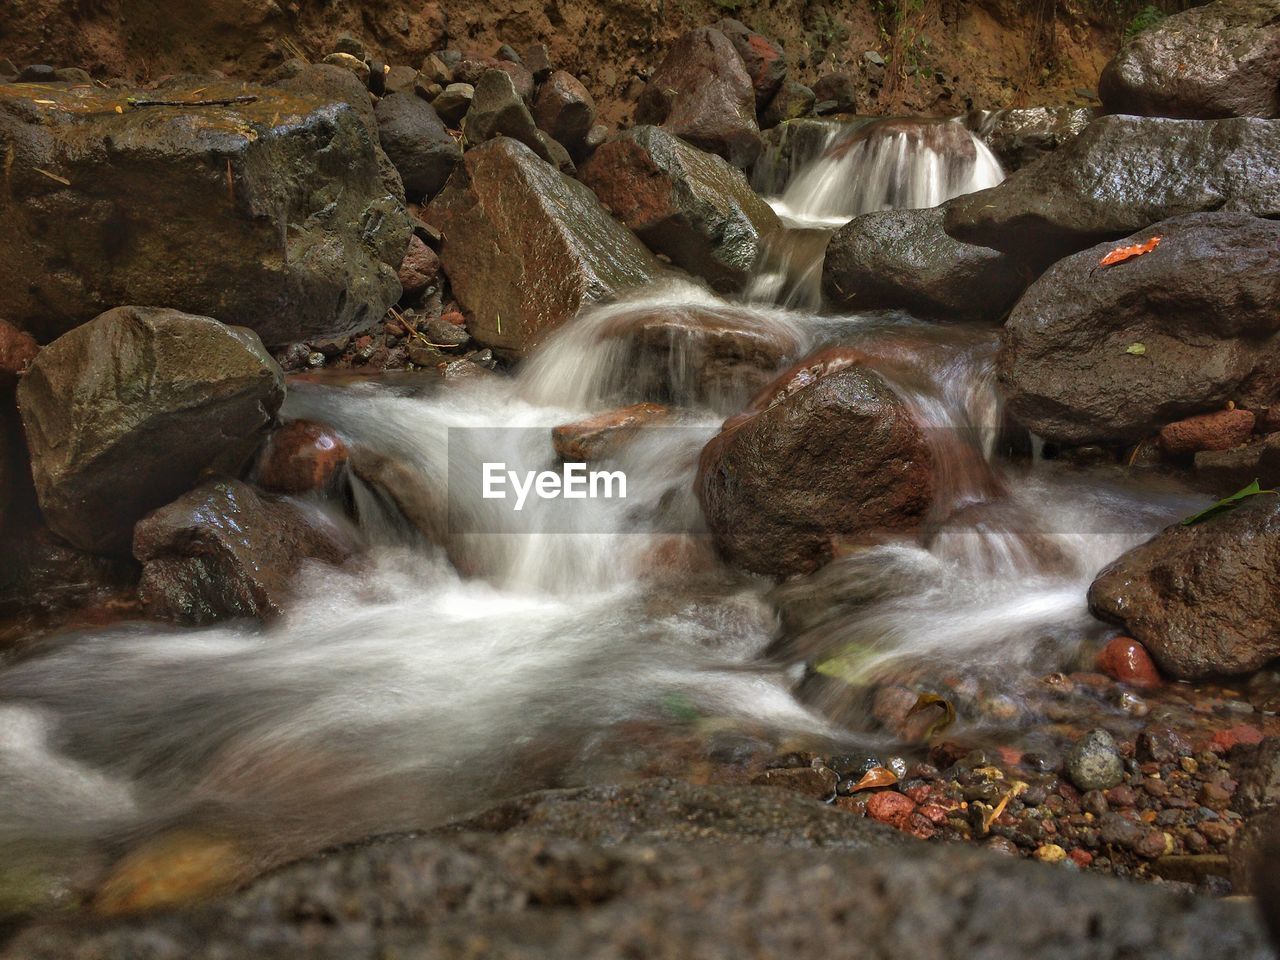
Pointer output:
223, 551
271, 213
602, 435
1120, 175
1221, 59
702, 93
525, 247
839, 460
691, 206
1096, 354
1094, 762
1203, 599
418, 144
302, 455
904, 259
126, 412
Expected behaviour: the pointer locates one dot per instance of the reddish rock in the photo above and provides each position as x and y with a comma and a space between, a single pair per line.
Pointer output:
1081, 858
565, 110
702, 93
300, 456
765, 62
935, 813
816, 782
840, 461
420, 268
1221, 430
1224, 740
920, 827
601, 436
454, 317
17, 350
798, 376
1127, 660
891, 808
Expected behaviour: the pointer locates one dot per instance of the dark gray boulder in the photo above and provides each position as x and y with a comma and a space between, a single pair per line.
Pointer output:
904, 259
1221, 59
126, 412
417, 142
1120, 175
690, 205
272, 213
1203, 599
1095, 354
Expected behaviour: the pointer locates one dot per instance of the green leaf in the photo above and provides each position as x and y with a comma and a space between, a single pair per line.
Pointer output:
1227, 503
1137, 349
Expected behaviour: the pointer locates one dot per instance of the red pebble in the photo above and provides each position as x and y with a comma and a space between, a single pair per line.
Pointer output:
1224, 740
1126, 660
1009, 756
891, 808
934, 813
918, 794
1081, 858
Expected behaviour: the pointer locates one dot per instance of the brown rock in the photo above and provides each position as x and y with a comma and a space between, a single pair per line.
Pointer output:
420, 268
891, 808
223, 551
840, 459
17, 350
526, 247
302, 455
764, 60
702, 93
1126, 660
599, 437
565, 110
1221, 430
816, 782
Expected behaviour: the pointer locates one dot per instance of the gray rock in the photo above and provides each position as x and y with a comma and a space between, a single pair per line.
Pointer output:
273, 214
1023, 135
1094, 762
904, 259
125, 412
417, 142
1110, 354
692, 206
497, 110
1217, 60
526, 247
1258, 776
1203, 599
1119, 176
565, 110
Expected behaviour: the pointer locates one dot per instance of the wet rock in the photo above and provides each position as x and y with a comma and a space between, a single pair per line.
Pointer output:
1252, 853
454, 102
765, 62
272, 214
537, 60
1220, 430
839, 460
836, 93
525, 247
1111, 354
816, 782
1258, 775
891, 808
42, 574
565, 110
1120, 175
125, 412
497, 110
38, 73
17, 350
1226, 471
903, 259
1201, 598
1127, 661
1094, 762
1023, 135
703, 94
302, 455
601, 436
223, 551
417, 142
1217, 60
1163, 745
792, 101
691, 206
420, 268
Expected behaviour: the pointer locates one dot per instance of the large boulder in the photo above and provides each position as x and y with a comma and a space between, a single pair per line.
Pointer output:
1203, 599
271, 212
127, 411
526, 247
1122, 174
1021, 135
765, 61
1217, 60
417, 142
692, 206
702, 92
1095, 354
224, 551
904, 259
840, 460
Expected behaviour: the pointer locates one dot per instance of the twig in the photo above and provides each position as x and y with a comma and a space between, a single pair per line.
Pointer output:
53, 176
223, 102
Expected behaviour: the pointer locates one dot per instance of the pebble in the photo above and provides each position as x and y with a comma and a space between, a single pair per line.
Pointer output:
1050, 853
1094, 763
1126, 660
891, 808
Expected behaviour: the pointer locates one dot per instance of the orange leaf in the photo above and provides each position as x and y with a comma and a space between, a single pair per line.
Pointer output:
1121, 254
875, 777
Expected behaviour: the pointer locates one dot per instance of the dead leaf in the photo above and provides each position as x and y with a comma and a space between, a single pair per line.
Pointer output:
1121, 254
926, 700
1136, 349
875, 777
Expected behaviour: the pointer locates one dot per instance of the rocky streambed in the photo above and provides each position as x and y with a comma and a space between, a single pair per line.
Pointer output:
949, 446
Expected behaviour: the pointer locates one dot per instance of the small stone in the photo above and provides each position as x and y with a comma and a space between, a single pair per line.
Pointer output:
442, 332
1221, 430
508, 53
1214, 796
537, 60
1094, 763
891, 808
419, 269
601, 436
72, 75
348, 44
37, 73
348, 62
1120, 831
1163, 745
1081, 858
1050, 853
1224, 740
1003, 846
1126, 660
315, 359
453, 102
1153, 844
435, 70
1094, 802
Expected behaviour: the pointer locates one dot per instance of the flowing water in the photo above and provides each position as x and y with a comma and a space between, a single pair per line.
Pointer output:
400, 692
